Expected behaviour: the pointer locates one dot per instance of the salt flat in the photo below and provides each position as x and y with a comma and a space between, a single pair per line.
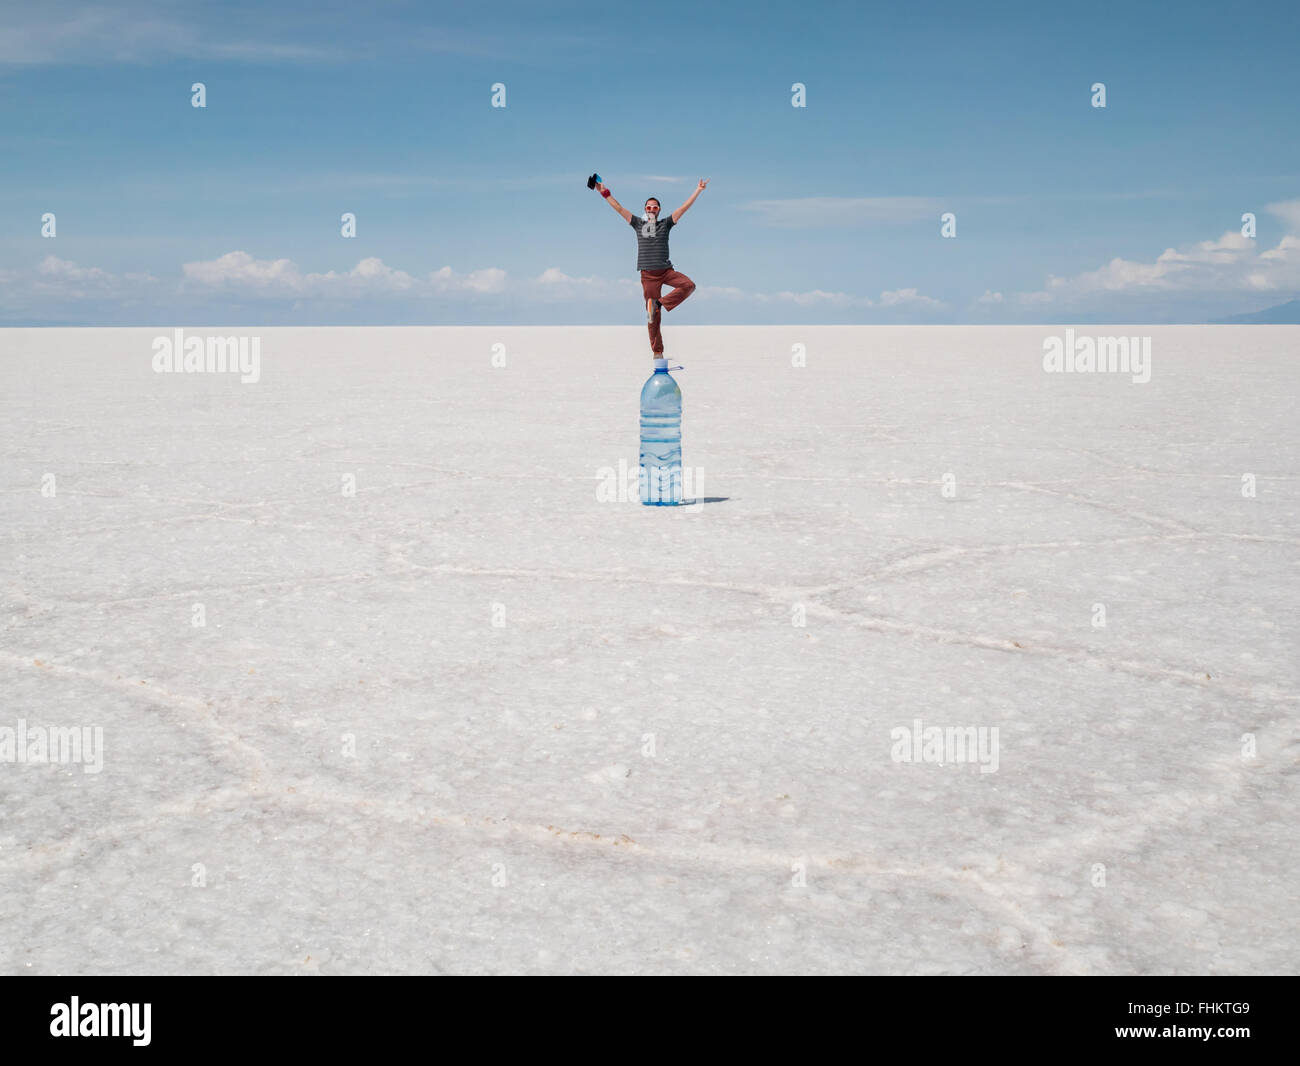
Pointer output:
476, 716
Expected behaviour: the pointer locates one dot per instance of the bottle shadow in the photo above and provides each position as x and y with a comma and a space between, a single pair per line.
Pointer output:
704, 499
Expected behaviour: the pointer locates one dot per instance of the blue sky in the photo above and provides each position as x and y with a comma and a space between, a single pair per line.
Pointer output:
469, 214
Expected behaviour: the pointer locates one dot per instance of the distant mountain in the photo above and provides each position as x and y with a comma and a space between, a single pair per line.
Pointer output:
1287, 314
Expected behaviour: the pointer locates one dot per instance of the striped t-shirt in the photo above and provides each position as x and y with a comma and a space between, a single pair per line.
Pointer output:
652, 252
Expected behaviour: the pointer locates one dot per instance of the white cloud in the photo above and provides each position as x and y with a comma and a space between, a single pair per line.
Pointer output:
59, 287
553, 283
371, 277
556, 276
54, 268
812, 298
240, 274
69, 279
990, 297
489, 279
911, 299
819, 298
821, 211
241, 269
1230, 263
899, 299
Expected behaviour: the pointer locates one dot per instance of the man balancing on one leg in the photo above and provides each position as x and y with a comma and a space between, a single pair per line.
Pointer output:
652, 258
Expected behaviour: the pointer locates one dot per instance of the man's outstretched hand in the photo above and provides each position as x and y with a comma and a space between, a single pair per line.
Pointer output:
677, 215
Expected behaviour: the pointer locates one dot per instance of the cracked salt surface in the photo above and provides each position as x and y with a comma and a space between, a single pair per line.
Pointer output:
472, 720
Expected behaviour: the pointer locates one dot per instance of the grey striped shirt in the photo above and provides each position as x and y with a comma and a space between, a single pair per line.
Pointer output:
652, 252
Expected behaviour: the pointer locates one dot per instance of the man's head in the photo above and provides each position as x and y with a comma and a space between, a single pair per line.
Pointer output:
652, 207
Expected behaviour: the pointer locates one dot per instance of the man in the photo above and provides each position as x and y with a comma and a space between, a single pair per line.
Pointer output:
652, 260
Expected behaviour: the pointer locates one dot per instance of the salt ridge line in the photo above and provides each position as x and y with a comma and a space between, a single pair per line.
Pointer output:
1139, 471
305, 792
154, 693
216, 516
1031, 486
783, 595
973, 886
932, 558
987, 894
966, 882
786, 594
1155, 520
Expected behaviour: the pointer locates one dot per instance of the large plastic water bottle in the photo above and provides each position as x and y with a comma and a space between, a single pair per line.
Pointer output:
661, 439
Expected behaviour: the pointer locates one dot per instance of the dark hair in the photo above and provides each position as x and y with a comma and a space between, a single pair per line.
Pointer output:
654, 198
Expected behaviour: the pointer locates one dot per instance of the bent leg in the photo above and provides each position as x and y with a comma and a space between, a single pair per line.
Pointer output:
652, 284
681, 285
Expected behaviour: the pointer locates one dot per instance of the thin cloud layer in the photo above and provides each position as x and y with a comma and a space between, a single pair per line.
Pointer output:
59, 33
243, 277
819, 212
892, 299
54, 33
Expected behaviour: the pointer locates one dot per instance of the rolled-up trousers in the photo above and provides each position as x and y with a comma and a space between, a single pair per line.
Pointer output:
652, 283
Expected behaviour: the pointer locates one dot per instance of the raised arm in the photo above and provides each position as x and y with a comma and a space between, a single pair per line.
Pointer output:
677, 215
627, 215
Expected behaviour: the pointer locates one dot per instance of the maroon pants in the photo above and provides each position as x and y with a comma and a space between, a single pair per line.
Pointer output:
652, 283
